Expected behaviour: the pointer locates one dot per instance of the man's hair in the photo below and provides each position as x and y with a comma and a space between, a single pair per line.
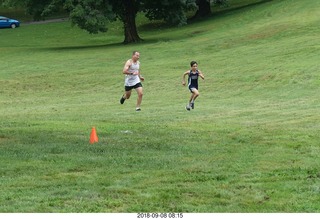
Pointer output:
192, 63
134, 52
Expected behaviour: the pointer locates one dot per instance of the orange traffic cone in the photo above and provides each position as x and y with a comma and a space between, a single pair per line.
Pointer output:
93, 136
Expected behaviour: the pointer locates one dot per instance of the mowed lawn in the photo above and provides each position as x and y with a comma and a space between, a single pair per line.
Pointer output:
250, 145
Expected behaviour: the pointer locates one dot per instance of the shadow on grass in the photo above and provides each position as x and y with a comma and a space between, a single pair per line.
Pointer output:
239, 8
156, 25
102, 46
80, 47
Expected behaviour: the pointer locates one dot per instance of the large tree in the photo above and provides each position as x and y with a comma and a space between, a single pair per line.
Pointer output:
93, 15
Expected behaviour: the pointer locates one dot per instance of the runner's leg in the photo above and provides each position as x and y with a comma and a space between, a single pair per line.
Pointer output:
140, 94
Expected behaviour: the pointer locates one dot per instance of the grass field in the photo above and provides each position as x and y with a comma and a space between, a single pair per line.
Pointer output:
250, 145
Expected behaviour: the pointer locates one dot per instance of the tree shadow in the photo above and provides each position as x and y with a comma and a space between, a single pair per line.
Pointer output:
101, 46
238, 9
81, 47
161, 25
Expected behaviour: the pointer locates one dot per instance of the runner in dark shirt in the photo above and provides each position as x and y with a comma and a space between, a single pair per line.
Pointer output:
193, 76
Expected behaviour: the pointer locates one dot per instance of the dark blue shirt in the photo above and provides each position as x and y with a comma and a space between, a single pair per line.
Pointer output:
193, 80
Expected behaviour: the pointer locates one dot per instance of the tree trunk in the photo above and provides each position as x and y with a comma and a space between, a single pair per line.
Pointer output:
129, 21
204, 8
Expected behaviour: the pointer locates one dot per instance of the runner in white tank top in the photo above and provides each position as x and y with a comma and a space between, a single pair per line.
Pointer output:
133, 79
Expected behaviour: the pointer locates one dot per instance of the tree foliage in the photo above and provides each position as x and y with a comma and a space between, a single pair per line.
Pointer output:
172, 12
91, 15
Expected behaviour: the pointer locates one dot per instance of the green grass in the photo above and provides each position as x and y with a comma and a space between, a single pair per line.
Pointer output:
250, 145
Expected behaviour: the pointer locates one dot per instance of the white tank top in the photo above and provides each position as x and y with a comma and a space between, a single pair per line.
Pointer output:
131, 80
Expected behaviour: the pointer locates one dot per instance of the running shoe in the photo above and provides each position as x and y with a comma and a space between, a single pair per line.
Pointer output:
122, 100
